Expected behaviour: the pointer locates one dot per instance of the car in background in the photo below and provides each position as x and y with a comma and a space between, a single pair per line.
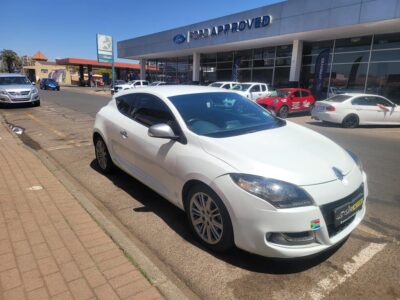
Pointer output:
206, 151
16, 88
224, 84
351, 110
49, 84
157, 83
131, 85
117, 82
252, 90
288, 100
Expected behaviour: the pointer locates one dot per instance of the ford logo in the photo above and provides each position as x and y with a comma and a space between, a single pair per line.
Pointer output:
179, 39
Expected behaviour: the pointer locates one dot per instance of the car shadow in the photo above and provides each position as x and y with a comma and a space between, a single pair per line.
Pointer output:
16, 105
176, 219
334, 125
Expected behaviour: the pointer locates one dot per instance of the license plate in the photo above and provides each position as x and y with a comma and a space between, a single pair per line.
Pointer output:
346, 211
320, 108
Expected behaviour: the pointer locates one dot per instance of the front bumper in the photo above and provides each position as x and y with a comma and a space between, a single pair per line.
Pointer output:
7, 98
254, 220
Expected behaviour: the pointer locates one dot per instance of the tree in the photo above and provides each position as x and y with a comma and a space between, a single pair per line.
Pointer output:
10, 60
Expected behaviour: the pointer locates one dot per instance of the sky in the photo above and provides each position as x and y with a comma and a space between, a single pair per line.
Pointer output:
68, 28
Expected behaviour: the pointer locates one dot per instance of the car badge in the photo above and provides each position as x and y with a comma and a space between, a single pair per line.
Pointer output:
338, 173
315, 224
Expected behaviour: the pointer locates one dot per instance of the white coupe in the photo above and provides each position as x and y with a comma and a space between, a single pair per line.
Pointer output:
352, 110
218, 156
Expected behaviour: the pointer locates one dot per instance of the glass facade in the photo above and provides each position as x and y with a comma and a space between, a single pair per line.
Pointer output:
270, 65
368, 64
175, 70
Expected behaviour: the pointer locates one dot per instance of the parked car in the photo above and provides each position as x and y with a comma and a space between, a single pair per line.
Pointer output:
352, 110
117, 82
157, 83
224, 84
252, 90
49, 84
16, 88
206, 150
131, 85
288, 101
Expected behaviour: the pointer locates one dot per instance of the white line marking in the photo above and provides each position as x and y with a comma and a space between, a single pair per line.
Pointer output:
328, 284
370, 231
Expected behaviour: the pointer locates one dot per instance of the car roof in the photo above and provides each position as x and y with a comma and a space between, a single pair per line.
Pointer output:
174, 90
254, 83
11, 75
226, 82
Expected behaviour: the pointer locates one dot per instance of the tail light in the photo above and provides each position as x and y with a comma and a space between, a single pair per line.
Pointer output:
330, 108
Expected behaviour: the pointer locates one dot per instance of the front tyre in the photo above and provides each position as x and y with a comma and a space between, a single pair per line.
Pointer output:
209, 218
103, 157
351, 121
283, 112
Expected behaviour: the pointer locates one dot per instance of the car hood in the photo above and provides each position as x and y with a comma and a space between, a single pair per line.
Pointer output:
16, 87
291, 153
268, 99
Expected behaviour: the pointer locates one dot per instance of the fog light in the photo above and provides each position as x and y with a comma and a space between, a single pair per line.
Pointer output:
292, 238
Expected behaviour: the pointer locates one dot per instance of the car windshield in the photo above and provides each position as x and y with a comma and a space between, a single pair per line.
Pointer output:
338, 98
14, 80
155, 83
223, 114
241, 87
216, 84
49, 80
282, 93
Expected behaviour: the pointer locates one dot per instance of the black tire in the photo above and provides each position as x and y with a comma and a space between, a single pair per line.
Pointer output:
58, 88
36, 103
283, 111
351, 121
225, 241
103, 158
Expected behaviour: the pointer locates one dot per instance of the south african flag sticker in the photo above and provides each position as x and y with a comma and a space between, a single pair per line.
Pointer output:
315, 224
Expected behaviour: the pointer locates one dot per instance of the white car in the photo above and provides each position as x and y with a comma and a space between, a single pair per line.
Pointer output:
228, 85
252, 90
131, 85
157, 83
352, 110
216, 155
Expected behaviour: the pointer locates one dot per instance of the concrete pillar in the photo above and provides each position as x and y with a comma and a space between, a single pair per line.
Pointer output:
142, 63
196, 67
90, 75
297, 55
81, 75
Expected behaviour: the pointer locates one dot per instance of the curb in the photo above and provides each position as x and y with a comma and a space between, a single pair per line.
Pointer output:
152, 272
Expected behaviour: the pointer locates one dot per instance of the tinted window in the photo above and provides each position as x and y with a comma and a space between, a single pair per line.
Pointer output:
263, 88
241, 87
359, 101
126, 104
227, 86
223, 114
14, 80
145, 83
378, 100
255, 88
150, 110
216, 84
338, 98
297, 94
305, 94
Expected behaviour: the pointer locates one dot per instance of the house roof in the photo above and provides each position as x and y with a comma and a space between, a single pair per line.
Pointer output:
39, 56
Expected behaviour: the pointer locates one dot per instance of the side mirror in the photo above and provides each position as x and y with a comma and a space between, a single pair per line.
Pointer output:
162, 131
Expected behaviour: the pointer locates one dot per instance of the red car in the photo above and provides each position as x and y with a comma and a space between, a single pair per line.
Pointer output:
287, 101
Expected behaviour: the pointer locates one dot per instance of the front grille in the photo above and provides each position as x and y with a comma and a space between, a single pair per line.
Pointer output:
328, 211
23, 93
20, 99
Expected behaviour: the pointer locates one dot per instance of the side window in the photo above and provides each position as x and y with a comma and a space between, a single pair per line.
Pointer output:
226, 86
359, 101
150, 111
382, 101
126, 104
263, 88
255, 88
145, 83
305, 94
297, 94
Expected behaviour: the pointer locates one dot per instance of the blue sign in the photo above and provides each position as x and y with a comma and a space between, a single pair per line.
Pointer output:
242, 25
321, 67
179, 39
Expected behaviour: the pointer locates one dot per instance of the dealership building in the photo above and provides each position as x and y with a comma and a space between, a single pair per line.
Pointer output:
324, 45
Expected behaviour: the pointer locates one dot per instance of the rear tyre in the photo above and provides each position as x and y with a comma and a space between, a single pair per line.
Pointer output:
36, 103
209, 219
351, 121
58, 88
103, 157
283, 112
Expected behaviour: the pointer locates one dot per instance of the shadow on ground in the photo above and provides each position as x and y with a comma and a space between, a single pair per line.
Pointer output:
176, 220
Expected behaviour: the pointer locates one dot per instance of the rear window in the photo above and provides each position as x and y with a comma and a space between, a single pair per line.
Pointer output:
338, 98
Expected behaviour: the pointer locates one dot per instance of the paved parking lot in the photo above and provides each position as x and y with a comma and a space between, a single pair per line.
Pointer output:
62, 127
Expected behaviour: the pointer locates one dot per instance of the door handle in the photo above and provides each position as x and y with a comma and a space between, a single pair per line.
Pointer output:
124, 134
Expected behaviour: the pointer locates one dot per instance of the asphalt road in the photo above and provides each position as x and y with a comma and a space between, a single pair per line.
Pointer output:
365, 266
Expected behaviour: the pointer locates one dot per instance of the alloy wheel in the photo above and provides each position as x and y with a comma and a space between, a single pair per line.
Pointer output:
206, 218
101, 154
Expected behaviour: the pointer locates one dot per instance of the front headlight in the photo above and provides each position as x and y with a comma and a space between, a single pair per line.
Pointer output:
2, 92
356, 160
279, 193
34, 91
275, 101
